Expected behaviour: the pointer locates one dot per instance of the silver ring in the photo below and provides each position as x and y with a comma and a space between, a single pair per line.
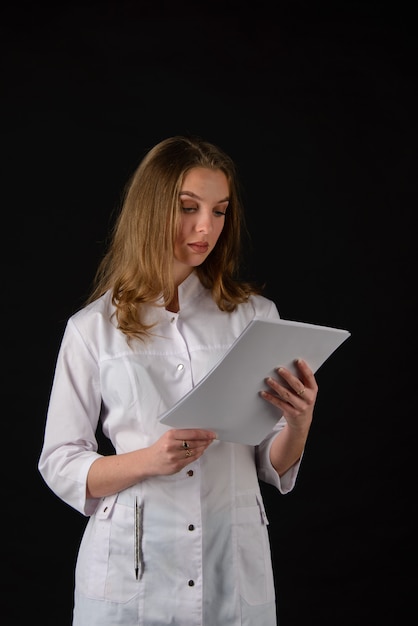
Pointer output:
185, 444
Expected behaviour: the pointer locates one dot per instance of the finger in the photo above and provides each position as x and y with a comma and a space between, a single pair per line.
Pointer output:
194, 434
293, 381
283, 396
195, 446
301, 391
307, 375
192, 454
298, 384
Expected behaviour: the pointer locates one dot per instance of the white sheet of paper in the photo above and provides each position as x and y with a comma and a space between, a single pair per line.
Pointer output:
227, 399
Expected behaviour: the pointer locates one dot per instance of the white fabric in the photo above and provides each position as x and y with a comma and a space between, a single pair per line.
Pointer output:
226, 552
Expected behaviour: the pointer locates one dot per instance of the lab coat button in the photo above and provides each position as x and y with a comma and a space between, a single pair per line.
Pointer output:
180, 367
173, 319
191, 527
190, 473
191, 583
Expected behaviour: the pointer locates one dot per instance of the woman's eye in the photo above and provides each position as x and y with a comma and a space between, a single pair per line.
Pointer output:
193, 209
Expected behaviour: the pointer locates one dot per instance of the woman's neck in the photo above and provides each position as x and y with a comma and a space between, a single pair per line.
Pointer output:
173, 306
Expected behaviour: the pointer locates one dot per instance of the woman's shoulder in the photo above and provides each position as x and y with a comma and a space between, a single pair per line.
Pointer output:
263, 306
95, 326
98, 314
101, 307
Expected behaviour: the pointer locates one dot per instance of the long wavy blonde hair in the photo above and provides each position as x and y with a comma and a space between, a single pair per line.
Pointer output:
137, 266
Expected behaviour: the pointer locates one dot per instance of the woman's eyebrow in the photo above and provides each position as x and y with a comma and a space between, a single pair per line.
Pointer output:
194, 195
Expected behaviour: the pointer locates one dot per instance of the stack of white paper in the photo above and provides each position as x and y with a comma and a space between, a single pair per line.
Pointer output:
227, 399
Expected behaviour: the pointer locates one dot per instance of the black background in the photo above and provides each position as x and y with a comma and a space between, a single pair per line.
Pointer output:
317, 104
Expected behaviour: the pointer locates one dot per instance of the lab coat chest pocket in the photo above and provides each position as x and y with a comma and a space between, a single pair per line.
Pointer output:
254, 557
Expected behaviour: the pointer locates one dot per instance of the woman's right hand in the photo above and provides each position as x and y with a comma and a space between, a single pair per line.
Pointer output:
173, 451
177, 448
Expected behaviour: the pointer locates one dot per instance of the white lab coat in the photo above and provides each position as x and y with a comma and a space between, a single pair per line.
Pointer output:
205, 555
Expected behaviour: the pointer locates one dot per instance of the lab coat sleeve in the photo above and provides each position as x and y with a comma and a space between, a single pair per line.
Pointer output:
70, 445
265, 469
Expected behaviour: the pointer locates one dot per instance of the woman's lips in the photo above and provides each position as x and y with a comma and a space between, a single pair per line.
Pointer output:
200, 248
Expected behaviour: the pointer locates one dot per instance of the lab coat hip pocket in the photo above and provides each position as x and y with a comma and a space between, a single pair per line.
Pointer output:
105, 567
253, 548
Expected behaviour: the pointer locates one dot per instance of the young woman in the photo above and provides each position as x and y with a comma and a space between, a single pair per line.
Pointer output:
177, 530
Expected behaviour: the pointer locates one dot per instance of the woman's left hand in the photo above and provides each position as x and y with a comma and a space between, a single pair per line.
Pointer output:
294, 395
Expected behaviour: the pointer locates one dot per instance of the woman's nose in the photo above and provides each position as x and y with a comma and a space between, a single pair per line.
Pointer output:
204, 222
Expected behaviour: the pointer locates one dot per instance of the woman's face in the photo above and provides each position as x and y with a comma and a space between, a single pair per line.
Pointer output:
204, 199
